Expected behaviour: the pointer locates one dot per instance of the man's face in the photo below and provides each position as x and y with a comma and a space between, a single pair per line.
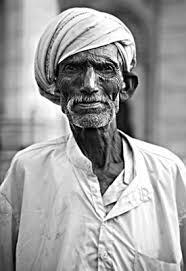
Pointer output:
89, 84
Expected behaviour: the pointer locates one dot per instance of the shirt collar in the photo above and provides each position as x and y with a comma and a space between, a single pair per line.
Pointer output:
76, 156
139, 189
114, 191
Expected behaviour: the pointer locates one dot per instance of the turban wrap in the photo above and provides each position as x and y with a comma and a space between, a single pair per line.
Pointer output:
76, 30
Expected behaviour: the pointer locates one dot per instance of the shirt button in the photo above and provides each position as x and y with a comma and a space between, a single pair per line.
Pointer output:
103, 255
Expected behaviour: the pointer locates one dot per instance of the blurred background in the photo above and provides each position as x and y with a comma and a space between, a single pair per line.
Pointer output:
156, 113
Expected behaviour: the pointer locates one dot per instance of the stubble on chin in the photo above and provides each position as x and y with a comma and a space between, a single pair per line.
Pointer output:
92, 120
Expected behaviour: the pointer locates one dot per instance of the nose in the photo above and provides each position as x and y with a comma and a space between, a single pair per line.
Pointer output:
89, 81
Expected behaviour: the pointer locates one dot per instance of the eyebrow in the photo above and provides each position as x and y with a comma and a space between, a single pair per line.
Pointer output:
101, 61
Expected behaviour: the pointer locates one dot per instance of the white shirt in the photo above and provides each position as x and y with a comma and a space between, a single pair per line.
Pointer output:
52, 212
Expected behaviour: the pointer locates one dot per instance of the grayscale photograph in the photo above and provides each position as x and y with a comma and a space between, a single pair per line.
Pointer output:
93, 135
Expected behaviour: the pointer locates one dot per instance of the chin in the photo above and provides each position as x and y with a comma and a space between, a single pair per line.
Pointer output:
92, 120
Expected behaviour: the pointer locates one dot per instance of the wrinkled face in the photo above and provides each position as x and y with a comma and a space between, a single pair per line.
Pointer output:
89, 84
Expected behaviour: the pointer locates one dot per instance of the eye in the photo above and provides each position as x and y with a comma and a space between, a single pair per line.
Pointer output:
70, 68
109, 68
105, 68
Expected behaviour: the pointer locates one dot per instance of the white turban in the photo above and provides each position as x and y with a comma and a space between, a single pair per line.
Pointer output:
76, 30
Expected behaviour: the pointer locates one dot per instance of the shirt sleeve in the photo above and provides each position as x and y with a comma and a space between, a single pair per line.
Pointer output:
10, 206
181, 205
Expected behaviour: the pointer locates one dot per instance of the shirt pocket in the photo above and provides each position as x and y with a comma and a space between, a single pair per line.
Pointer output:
146, 263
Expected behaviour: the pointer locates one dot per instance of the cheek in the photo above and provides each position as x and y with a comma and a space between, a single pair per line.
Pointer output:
112, 86
68, 87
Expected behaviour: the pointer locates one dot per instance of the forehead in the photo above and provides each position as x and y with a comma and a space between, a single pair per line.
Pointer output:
104, 53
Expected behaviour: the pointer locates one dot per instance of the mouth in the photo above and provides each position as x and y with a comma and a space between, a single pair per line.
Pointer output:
88, 105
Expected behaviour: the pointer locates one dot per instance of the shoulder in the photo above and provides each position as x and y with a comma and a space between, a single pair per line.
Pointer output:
39, 151
156, 154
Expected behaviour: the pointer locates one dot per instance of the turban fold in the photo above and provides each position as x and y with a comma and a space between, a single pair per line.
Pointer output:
76, 30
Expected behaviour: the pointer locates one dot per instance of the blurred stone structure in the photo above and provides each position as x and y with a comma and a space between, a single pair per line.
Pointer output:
156, 113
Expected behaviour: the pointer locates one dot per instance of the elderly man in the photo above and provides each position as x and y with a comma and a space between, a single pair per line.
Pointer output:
94, 199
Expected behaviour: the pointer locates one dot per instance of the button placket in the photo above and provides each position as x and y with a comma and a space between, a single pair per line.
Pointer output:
104, 260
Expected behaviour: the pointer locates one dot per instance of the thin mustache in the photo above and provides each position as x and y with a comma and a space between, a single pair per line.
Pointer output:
86, 99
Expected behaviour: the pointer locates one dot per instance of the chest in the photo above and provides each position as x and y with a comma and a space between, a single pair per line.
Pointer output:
74, 236
108, 175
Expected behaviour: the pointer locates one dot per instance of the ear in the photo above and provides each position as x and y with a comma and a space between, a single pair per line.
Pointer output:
130, 85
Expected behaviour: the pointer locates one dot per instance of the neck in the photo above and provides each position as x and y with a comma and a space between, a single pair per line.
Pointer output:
102, 146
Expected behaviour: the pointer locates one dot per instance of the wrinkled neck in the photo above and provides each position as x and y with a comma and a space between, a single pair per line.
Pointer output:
101, 145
